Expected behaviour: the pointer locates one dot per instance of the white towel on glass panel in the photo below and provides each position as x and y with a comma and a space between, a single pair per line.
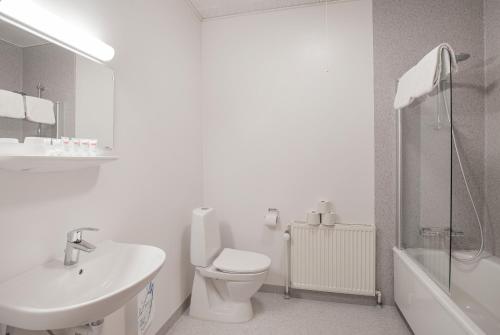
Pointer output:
424, 77
11, 105
40, 110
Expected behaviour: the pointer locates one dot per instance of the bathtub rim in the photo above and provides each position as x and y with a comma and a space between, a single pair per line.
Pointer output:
437, 292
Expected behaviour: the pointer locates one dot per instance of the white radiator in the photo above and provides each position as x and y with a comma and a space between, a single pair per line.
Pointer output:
337, 259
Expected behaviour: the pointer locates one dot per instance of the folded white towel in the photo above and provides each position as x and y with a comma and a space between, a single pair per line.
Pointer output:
5, 140
11, 105
40, 110
424, 77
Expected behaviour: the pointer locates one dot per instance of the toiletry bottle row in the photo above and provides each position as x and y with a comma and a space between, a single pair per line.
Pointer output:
66, 146
77, 146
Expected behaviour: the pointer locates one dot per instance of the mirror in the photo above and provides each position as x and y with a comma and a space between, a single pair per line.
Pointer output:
77, 94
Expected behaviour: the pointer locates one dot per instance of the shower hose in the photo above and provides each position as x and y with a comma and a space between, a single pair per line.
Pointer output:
477, 254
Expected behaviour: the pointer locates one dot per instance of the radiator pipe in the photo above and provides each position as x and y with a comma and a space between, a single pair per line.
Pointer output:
378, 295
286, 239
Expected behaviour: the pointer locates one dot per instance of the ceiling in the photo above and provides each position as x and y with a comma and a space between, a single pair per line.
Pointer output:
215, 8
18, 37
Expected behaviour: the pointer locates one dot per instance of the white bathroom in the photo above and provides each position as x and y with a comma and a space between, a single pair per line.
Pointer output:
249, 167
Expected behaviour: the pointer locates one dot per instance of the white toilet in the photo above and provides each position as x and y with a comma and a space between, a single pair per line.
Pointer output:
224, 280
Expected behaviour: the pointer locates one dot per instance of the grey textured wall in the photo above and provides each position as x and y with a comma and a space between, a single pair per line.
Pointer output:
11, 68
492, 98
23, 68
54, 68
404, 31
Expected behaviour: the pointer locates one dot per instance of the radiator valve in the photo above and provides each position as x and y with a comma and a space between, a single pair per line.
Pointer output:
378, 295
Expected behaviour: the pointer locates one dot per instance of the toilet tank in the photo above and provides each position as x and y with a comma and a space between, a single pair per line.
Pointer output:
205, 237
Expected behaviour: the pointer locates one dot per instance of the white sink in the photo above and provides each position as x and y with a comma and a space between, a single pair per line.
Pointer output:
52, 296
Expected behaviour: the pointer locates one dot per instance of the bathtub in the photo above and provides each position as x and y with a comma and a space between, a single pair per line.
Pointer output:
472, 307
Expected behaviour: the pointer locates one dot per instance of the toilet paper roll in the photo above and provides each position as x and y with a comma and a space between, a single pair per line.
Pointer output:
271, 219
324, 207
328, 219
313, 218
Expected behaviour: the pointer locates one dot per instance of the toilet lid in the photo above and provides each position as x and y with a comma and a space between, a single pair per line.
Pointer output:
239, 261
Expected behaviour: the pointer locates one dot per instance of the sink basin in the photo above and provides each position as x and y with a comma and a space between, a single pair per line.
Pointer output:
52, 296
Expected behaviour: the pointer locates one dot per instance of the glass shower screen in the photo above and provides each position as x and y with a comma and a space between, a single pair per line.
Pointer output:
425, 181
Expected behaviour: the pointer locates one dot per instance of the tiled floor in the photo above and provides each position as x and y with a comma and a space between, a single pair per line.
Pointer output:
276, 316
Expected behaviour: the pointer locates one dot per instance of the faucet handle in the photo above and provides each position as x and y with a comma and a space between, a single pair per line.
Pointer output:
75, 235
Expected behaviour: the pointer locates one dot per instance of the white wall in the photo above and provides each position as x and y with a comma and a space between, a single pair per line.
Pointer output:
147, 195
280, 131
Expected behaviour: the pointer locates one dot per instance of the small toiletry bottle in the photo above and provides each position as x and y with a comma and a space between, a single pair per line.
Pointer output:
66, 143
93, 147
85, 147
76, 146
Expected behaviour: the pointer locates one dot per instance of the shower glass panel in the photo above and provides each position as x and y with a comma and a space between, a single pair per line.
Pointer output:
426, 181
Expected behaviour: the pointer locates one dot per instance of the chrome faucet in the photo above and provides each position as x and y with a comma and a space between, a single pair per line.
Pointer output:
74, 244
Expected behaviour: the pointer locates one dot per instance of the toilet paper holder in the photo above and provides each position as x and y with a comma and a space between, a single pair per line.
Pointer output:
274, 211
272, 217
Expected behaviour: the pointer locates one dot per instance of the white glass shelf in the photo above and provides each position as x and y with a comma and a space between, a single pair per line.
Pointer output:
41, 158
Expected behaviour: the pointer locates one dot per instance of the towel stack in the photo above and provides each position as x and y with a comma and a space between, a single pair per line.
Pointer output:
16, 106
11, 105
8, 140
40, 110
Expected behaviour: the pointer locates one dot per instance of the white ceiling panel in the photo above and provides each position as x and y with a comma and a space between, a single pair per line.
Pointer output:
216, 8
18, 37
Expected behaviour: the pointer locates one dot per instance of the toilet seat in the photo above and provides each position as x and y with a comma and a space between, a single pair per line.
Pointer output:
212, 272
241, 262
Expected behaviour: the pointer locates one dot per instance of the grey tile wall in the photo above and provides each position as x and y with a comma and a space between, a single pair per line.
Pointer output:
492, 99
11, 69
54, 68
22, 68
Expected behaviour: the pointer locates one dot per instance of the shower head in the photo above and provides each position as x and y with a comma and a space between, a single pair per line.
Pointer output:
461, 57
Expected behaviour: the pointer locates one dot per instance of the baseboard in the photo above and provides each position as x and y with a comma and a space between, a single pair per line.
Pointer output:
267, 288
174, 317
321, 296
